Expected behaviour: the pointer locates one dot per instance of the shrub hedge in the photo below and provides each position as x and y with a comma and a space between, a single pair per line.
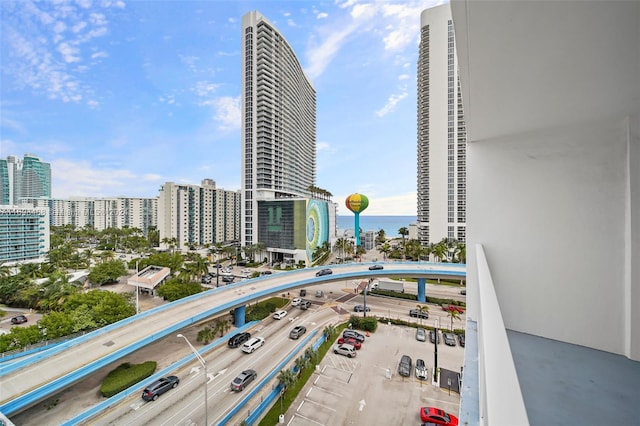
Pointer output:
124, 376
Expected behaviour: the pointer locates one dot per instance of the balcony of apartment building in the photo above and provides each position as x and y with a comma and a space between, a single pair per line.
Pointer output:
551, 94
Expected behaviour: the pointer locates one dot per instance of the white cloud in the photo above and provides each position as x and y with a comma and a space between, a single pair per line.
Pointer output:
205, 89
227, 112
320, 56
322, 15
391, 104
69, 53
404, 77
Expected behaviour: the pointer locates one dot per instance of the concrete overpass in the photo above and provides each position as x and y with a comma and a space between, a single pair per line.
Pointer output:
28, 381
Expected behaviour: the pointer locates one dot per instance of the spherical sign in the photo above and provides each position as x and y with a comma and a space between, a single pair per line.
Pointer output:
357, 202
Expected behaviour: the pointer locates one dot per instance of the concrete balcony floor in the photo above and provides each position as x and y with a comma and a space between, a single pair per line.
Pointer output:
566, 384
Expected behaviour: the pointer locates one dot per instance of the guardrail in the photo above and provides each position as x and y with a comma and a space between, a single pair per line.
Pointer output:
501, 401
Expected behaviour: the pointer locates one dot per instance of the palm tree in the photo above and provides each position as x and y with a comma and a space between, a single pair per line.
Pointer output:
329, 331
286, 378
301, 363
404, 232
206, 335
385, 249
421, 310
461, 253
222, 326
453, 314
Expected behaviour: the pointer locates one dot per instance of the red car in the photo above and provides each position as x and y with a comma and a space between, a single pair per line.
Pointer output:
437, 416
350, 341
452, 308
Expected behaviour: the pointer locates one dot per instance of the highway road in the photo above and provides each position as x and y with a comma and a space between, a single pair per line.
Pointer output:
185, 404
46, 369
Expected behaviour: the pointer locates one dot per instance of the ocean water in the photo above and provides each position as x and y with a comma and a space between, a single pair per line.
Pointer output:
390, 224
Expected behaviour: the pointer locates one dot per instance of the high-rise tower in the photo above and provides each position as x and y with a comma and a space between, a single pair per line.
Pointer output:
25, 179
441, 132
278, 126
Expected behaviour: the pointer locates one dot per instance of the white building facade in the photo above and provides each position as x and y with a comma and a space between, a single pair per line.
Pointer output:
441, 159
279, 122
198, 215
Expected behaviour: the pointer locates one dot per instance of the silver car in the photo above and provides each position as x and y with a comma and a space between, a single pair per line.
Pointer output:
421, 334
421, 370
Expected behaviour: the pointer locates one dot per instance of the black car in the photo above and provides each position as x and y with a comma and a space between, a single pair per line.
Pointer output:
404, 367
238, 339
361, 308
417, 313
354, 334
160, 386
375, 267
461, 339
433, 336
322, 272
19, 319
297, 332
303, 292
243, 379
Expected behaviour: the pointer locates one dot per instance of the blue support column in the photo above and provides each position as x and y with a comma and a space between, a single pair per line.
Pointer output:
238, 316
422, 292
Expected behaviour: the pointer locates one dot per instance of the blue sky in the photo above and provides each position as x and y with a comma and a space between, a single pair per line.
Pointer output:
122, 96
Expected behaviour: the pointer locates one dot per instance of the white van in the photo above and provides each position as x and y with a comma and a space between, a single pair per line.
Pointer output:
252, 344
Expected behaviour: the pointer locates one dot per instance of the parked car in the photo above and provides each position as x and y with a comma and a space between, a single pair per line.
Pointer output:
279, 314
19, 319
354, 334
463, 291
361, 308
297, 332
322, 272
303, 292
345, 349
238, 339
252, 344
421, 369
404, 367
449, 339
437, 416
266, 273
350, 341
433, 336
319, 293
228, 279
296, 301
375, 267
421, 334
243, 379
160, 386
461, 339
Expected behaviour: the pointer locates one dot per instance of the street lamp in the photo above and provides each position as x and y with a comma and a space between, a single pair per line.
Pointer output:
435, 350
137, 291
204, 365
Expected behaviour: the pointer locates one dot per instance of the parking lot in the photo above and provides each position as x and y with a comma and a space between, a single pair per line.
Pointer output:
368, 390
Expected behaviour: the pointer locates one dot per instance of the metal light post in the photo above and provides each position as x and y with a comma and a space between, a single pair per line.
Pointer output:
435, 350
206, 376
137, 291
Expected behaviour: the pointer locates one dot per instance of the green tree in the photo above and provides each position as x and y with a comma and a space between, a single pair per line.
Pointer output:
107, 272
329, 331
206, 335
56, 324
175, 289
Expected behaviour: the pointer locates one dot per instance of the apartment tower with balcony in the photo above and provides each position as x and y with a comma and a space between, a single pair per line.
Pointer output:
442, 170
278, 142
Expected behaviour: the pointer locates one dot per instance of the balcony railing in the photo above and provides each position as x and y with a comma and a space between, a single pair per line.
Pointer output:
499, 397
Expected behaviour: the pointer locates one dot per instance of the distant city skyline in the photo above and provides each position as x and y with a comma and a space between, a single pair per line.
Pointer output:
121, 97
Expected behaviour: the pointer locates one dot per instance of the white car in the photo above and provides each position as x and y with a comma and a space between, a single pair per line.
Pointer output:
296, 301
252, 344
345, 349
279, 314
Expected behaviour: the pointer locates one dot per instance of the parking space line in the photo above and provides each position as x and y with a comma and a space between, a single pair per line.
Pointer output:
306, 418
320, 405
